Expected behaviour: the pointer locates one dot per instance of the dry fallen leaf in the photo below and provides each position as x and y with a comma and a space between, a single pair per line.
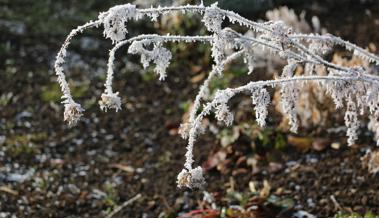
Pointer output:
301, 143
265, 192
122, 167
196, 68
8, 190
215, 159
239, 171
197, 78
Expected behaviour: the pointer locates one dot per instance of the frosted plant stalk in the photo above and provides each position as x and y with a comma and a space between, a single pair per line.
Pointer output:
350, 87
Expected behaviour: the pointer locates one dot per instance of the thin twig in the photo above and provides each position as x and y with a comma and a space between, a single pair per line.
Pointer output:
125, 204
337, 206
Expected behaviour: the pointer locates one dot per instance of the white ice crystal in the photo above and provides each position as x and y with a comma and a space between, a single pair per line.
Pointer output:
338, 90
72, 112
213, 18
192, 178
184, 130
114, 21
249, 58
160, 56
110, 101
261, 100
351, 121
289, 93
223, 114
222, 111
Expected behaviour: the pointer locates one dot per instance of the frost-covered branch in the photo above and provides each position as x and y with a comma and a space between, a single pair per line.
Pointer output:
352, 87
73, 111
111, 100
337, 40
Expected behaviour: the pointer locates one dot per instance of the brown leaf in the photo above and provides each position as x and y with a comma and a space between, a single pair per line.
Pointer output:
196, 68
215, 160
8, 190
239, 171
197, 78
301, 143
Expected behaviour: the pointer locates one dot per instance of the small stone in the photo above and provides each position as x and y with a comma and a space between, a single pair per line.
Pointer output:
335, 145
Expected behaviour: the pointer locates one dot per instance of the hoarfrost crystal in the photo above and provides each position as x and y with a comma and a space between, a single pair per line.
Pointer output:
110, 101
159, 55
72, 112
192, 178
115, 19
261, 100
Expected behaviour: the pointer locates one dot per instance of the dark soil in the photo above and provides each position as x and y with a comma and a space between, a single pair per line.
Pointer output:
73, 171
338, 173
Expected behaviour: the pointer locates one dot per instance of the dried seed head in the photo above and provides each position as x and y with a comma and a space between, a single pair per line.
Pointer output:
72, 112
191, 178
110, 101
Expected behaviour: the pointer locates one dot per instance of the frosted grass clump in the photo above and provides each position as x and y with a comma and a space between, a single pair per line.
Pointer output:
352, 88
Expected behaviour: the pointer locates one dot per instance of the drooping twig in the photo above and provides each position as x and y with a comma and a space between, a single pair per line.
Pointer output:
123, 205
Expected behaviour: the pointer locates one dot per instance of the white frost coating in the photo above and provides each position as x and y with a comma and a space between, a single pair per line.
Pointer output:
161, 58
372, 99
72, 112
249, 58
213, 18
191, 178
289, 94
351, 121
203, 92
159, 55
261, 100
222, 111
110, 101
338, 90
115, 19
